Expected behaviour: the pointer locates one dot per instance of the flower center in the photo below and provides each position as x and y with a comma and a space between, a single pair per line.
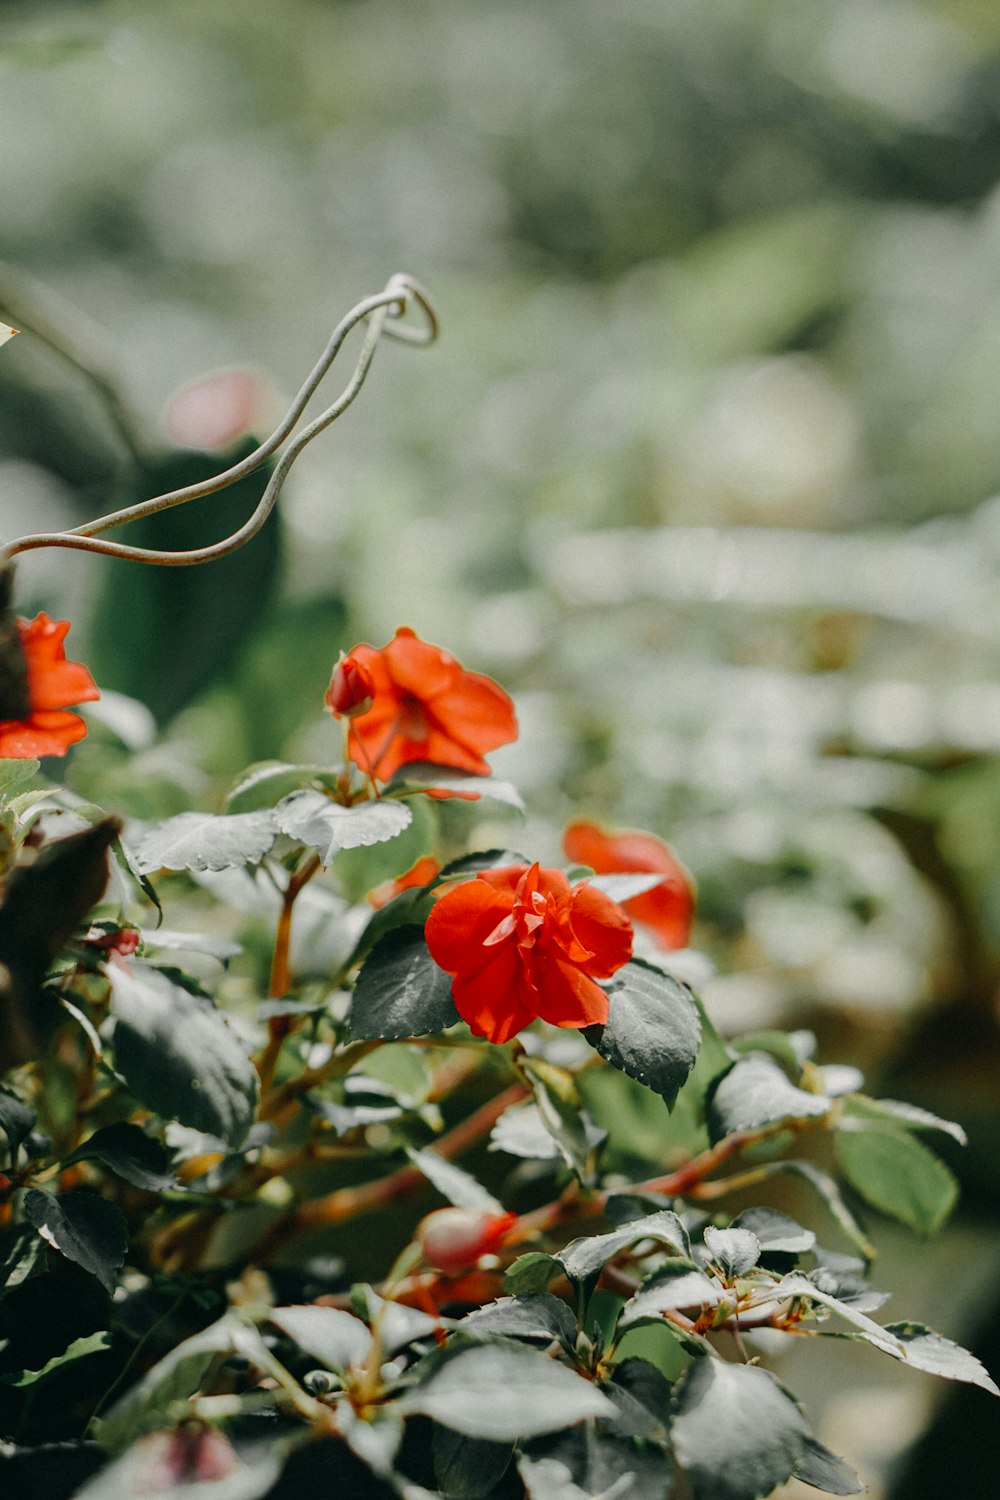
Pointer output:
412, 719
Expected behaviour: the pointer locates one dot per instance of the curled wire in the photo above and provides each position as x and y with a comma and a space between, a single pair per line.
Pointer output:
382, 310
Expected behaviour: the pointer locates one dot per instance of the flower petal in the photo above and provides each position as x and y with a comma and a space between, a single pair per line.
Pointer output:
461, 922
603, 927
567, 996
491, 1000
48, 733
53, 682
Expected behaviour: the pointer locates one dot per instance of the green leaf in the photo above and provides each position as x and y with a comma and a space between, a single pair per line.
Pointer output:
804, 1286
755, 1092
130, 1153
653, 1030
17, 1121
14, 774
459, 1187
503, 1392
926, 1350
736, 1432
532, 1272
561, 1112
623, 887
311, 818
585, 1257
735, 1251
268, 782
576, 1465
85, 1228
906, 1115
363, 869
828, 1191
93, 1343
202, 841
677, 1285
520, 1131
775, 1232
898, 1175
537, 1316
179, 1055
825, 1471
23, 1258
176, 1377
400, 990
398, 1325
468, 1468
335, 1338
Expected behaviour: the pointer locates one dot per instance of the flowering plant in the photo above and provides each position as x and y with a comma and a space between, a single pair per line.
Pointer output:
209, 1141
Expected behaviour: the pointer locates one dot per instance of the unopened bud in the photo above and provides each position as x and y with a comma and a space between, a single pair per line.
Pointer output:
453, 1239
351, 691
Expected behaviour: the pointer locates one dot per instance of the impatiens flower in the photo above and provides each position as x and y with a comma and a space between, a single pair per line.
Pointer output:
53, 684
521, 942
425, 707
667, 909
453, 1239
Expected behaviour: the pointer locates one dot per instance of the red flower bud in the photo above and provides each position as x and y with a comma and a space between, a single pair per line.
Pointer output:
453, 1239
352, 689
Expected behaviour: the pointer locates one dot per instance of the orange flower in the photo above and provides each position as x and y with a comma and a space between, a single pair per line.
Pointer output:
53, 684
521, 942
425, 707
667, 909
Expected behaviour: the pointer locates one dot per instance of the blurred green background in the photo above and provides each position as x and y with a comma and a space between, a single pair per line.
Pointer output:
703, 468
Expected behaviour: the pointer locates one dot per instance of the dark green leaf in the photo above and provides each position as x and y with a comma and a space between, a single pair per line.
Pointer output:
827, 1189
586, 1256
17, 1121
468, 1468
335, 1338
179, 1056
898, 1175
481, 859
848, 1287
825, 1471
45, 901
400, 990
503, 1392
83, 1227
926, 1350
130, 1153
796, 1285
736, 1432
311, 818
755, 1092
735, 1251
642, 1394
24, 1257
575, 1465
452, 1182
538, 1316
653, 1029
201, 841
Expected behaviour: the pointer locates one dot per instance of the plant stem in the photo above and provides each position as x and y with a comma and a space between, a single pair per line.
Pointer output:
366, 1197
279, 1027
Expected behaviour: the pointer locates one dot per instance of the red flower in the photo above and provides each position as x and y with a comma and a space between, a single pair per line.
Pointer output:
667, 909
521, 942
53, 684
425, 708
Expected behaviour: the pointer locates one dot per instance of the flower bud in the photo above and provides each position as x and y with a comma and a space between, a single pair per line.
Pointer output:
454, 1238
351, 691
